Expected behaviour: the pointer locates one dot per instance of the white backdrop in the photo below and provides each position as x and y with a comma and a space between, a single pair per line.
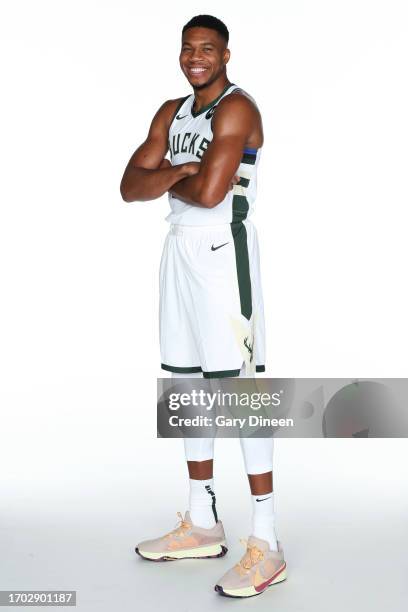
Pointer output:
81, 81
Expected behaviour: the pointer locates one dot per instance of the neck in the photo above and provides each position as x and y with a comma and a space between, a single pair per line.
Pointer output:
207, 94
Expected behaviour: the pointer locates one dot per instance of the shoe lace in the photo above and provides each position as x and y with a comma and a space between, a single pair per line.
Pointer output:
252, 556
180, 529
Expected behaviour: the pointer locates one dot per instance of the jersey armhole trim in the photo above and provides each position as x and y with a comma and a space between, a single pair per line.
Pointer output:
179, 105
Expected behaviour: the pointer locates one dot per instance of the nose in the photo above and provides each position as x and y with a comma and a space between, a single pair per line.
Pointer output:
196, 54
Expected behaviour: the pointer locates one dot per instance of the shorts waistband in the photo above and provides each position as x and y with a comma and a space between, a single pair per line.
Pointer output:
191, 230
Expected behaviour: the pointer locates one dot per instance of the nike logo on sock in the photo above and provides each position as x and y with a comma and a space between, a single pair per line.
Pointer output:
211, 492
264, 499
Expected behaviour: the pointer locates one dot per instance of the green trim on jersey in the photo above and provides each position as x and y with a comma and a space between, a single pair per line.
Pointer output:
239, 235
240, 208
179, 105
177, 370
260, 368
248, 158
206, 108
243, 182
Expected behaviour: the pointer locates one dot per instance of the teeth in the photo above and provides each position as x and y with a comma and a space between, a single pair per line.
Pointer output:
197, 69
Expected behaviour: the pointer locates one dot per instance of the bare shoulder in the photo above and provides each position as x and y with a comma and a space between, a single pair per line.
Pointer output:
238, 114
239, 101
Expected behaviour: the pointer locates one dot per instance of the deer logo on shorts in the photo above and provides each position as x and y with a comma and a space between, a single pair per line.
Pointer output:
250, 348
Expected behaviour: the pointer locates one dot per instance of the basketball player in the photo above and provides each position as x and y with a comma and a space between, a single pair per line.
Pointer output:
211, 307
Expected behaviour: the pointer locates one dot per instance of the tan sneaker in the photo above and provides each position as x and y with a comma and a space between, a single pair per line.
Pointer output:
187, 541
259, 568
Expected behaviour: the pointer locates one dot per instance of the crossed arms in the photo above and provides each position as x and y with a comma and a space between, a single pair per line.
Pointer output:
148, 175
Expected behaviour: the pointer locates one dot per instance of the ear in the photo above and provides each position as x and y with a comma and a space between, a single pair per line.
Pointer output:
226, 56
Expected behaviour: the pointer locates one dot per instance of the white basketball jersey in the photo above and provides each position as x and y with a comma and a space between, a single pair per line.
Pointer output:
189, 136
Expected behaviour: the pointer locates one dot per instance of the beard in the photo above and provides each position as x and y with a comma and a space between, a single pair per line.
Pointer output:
209, 82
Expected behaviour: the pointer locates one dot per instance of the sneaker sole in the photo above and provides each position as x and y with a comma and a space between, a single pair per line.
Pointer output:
205, 552
251, 591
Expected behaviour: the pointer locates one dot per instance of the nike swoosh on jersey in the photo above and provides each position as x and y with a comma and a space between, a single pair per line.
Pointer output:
183, 117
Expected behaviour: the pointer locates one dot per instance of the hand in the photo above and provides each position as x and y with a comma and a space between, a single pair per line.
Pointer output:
191, 168
165, 163
235, 179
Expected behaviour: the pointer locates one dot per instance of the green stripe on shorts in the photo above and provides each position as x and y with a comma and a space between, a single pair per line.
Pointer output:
239, 234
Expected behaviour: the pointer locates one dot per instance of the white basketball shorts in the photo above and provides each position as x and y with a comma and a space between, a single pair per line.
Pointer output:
211, 305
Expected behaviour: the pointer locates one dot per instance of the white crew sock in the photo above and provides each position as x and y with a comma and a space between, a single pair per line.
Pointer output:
263, 519
202, 503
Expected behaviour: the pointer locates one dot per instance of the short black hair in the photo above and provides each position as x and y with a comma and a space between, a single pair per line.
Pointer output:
208, 21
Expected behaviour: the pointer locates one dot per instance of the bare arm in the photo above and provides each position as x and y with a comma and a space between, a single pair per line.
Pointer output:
233, 122
146, 177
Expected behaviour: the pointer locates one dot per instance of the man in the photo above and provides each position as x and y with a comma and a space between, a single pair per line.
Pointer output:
211, 307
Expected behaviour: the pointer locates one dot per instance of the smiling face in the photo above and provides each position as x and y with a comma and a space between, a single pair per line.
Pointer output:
203, 56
